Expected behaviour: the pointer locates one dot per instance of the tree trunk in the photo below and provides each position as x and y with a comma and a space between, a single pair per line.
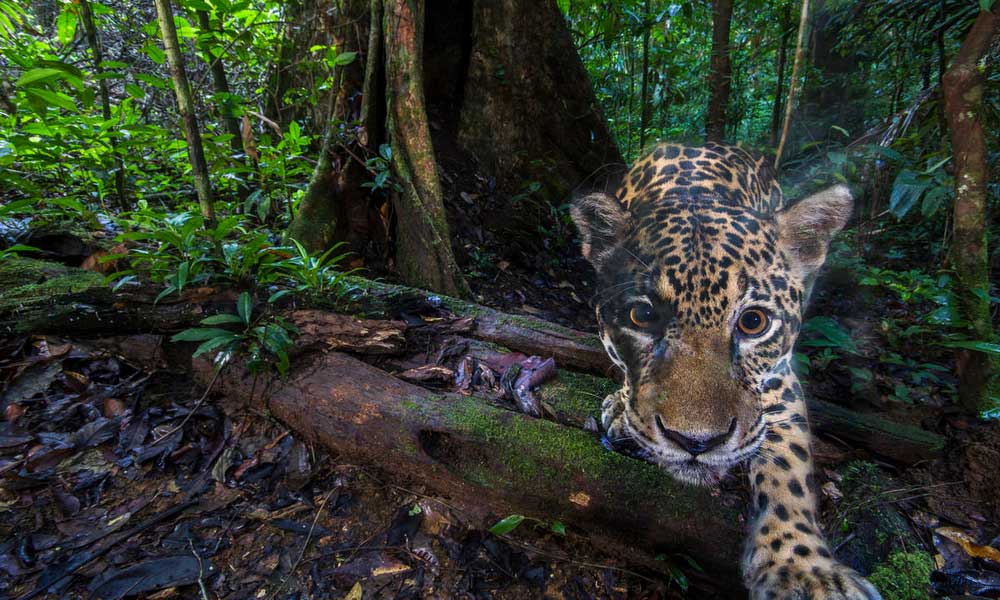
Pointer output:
833, 96
719, 76
786, 26
219, 83
90, 29
527, 106
423, 243
185, 105
502, 88
336, 205
800, 58
963, 97
644, 107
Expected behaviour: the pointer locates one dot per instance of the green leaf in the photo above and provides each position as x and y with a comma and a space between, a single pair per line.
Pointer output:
170, 289
200, 334
22, 248
135, 91
53, 98
906, 191
244, 306
558, 528
214, 343
154, 52
841, 130
506, 525
978, 345
66, 24
223, 319
833, 335
985, 5
41, 74
278, 295
887, 152
345, 58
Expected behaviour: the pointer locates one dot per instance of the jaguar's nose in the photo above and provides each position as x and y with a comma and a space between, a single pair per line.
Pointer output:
696, 443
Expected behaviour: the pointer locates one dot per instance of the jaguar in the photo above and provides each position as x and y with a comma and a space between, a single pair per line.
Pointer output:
703, 271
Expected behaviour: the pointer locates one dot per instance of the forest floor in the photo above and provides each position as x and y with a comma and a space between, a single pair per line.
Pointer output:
132, 486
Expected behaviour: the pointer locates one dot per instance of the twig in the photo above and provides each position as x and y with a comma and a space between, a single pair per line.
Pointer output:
800, 51
197, 405
201, 571
844, 542
305, 544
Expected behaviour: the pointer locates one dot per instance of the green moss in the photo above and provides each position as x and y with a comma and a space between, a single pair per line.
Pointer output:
905, 576
576, 396
869, 509
25, 281
545, 459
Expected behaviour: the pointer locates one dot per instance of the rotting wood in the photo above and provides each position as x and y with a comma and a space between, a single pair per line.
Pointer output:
333, 331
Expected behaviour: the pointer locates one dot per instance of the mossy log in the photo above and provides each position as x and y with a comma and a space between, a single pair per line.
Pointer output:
39, 297
493, 462
46, 298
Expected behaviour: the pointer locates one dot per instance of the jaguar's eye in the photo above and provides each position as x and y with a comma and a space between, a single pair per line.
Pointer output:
753, 322
642, 315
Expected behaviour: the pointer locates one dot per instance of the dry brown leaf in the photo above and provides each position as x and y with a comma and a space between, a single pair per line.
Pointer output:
13, 412
357, 592
113, 407
968, 544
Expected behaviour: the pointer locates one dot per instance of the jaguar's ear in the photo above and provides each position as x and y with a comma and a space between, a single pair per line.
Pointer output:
602, 221
806, 227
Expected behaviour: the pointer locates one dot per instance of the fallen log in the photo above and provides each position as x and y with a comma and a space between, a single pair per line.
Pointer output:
530, 335
39, 297
491, 461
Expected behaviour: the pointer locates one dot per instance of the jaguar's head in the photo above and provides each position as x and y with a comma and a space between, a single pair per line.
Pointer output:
699, 303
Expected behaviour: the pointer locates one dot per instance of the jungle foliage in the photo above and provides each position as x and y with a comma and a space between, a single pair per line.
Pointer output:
89, 138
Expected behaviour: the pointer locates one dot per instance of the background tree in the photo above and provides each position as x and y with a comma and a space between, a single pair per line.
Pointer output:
424, 255
720, 71
93, 40
964, 87
185, 105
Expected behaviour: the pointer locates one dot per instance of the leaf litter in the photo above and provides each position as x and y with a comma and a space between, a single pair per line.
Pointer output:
116, 481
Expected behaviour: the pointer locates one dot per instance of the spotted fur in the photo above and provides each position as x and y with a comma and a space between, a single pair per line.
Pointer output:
695, 242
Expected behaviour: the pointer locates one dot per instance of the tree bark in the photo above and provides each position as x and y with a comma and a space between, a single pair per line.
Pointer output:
335, 206
786, 25
800, 57
963, 97
314, 224
720, 75
645, 109
423, 243
185, 105
220, 84
527, 105
90, 29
